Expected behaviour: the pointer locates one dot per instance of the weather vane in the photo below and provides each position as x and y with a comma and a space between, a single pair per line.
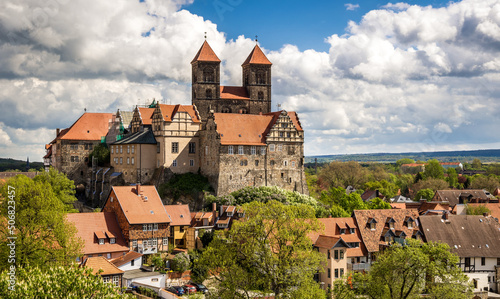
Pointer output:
256, 38
205, 35
279, 106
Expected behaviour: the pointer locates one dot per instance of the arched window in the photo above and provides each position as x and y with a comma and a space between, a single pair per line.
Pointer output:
208, 74
226, 110
208, 93
244, 110
260, 77
260, 96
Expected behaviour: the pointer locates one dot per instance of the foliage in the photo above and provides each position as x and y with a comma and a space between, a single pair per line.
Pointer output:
63, 187
427, 194
268, 252
183, 184
476, 164
430, 183
433, 169
43, 234
378, 204
180, 262
101, 152
313, 185
147, 292
404, 161
476, 210
452, 178
206, 237
413, 269
8, 165
157, 261
199, 272
389, 190
343, 174
58, 282
489, 183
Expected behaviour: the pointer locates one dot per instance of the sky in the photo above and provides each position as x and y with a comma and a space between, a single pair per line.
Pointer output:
363, 76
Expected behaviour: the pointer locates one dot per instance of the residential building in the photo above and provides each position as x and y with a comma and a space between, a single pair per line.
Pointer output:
454, 197
134, 274
181, 234
371, 194
109, 272
100, 233
141, 217
130, 261
475, 239
335, 265
227, 215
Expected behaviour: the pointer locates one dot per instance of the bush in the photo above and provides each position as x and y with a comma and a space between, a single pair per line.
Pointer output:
186, 183
101, 152
180, 262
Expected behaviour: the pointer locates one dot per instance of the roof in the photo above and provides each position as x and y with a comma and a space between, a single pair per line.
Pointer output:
146, 115
168, 111
234, 92
122, 260
126, 117
493, 207
413, 165
179, 214
242, 129
99, 262
146, 207
467, 235
370, 194
205, 54
90, 126
257, 57
370, 237
432, 205
141, 137
329, 242
453, 196
138, 273
88, 224
293, 117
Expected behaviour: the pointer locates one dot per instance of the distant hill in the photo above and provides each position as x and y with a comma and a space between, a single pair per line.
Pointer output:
8, 164
490, 155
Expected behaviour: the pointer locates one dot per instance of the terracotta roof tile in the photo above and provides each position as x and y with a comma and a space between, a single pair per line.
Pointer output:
99, 262
295, 119
179, 214
326, 241
146, 115
137, 209
131, 255
257, 57
87, 224
493, 207
169, 111
239, 129
205, 54
234, 92
90, 126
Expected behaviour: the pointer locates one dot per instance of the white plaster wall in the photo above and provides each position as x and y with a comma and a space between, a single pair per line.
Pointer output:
128, 266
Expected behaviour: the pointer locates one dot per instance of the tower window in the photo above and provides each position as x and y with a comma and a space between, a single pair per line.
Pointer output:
261, 96
260, 77
226, 110
208, 74
208, 93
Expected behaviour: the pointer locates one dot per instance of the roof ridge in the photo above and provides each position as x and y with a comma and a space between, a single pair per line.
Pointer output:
205, 54
257, 57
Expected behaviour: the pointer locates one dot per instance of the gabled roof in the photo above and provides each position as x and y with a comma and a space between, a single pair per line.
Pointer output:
179, 214
234, 92
97, 263
141, 137
88, 224
146, 115
122, 260
205, 54
432, 205
453, 196
467, 235
293, 117
168, 112
257, 57
145, 207
330, 242
90, 126
239, 129
126, 117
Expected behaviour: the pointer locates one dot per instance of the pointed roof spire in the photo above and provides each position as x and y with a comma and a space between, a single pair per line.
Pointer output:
205, 54
257, 57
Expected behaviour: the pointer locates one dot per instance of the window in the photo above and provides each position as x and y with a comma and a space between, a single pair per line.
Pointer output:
112, 149
158, 146
288, 135
121, 160
282, 134
372, 226
341, 272
208, 93
108, 256
191, 162
243, 163
181, 229
175, 147
153, 242
336, 273
150, 227
342, 231
410, 223
240, 149
252, 150
174, 163
329, 255
134, 243
133, 160
208, 74
263, 150
144, 227
341, 252
293, 163
329, 273
101, 241
280, 147
128, 160
192, 147
132, 262
391, 225
121, 149
336, 254
106, 279
271, 147
230, 150
133, 149
260, 77
206, 150
128, 149
260, 96
271, 163
112, 241
483, 261
351, 230
256, 162
116, 280
155, 226
285, 163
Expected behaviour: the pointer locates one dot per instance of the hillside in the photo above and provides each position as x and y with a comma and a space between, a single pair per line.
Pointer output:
10, 164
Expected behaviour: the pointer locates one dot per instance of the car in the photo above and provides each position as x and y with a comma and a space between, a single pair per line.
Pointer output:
189, 289
199, 287
176, 290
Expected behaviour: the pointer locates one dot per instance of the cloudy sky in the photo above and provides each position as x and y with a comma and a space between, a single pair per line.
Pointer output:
364, 76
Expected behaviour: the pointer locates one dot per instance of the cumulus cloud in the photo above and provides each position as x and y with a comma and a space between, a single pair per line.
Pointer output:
404, 78
350, 6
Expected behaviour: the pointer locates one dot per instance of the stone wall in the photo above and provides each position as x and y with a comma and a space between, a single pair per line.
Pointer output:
112, 205
209, 153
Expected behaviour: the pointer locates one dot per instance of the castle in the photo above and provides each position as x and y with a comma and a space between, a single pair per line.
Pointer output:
229, 134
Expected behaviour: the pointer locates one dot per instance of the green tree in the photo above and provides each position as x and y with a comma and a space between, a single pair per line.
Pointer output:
452, 178
268, 252
343, 174
389, 190
433, 169
476, 210
180, 262
378, 204
101, 152
489, 183
63, 187
58, 282
43, 234
476, 164
430, 183
404, 161
427, 194
416, 268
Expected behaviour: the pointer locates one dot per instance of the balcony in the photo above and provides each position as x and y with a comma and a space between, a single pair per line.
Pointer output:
147, 249
358, 267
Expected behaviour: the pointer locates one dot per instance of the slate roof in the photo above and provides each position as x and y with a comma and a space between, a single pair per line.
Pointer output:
90, 126
467, 235
89, 225
122, 260
141, 137
234, 92
99, 262
179, 215
371, 238
205, 54
257, 57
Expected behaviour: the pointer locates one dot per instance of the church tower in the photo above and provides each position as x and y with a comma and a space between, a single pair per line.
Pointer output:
257, 80
205, 80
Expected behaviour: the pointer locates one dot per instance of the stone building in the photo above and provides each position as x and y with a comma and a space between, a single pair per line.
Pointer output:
242, 150
253, 97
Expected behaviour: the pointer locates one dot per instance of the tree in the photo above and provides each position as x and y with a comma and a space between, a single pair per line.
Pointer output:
489, 183
63, 187
433, 169
43, 234
426, 194
101, 152
413, 269
452, 178
388, 189
57, 282
378, 204
404, 161
476, 210
476, 164
180, 262
267, 252
431, 183
343, 174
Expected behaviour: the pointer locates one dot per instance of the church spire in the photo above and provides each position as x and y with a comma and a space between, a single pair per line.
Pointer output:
206, 54
257, 57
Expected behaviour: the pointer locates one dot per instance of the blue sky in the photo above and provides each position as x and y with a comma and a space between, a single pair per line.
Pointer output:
363, 76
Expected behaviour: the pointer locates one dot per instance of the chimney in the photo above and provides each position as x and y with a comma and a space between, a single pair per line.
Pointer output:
214, 207
486, 214
58, 131
138, 189
445, 215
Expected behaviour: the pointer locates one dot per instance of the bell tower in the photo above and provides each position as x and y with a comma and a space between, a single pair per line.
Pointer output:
257, 80
205, 79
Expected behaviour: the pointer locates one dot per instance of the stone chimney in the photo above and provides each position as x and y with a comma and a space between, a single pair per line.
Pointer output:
445, 215
138, 189
58, 131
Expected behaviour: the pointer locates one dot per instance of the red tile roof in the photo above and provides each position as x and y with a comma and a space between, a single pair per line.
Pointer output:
493, 207
87, 224
179, 214
99, 262
90, 126
131, 255
239, 129
413, 165
326, 241
137, 209
257, 57
146, 115
169, 111
234, 92
205, 54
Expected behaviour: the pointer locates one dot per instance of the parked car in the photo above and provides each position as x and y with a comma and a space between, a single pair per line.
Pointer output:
176, 290
199, 287
189, 289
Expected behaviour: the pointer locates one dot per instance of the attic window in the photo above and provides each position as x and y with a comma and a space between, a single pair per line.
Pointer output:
151, 212
182, 216
112, 241
101, 241
88, 131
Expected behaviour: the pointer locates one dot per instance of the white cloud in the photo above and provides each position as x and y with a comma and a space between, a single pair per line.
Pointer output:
350, 6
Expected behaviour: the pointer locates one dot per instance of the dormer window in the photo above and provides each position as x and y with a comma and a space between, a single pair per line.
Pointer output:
241, 214
222, 225
351, 230
342, 231
372, 223
409, 222
112, 241
101, 241
390, 222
